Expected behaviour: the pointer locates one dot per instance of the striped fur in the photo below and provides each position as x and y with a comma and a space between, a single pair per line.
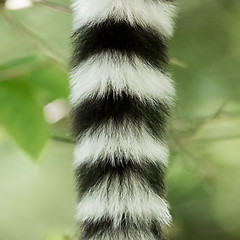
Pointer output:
129, 142
155, 13
132, 76
121, 95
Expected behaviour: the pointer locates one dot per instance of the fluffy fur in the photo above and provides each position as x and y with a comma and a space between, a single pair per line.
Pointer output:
108, 202
122, 74
154, 13
129, 142
121, 96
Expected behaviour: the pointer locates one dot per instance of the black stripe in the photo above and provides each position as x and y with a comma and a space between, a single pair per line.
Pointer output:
127, 229
113, 36
93, 112
150, 175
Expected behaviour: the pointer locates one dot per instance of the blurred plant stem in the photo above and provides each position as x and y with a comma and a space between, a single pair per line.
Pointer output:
22, 31
62, 139
180, 138
54, 6
17, 71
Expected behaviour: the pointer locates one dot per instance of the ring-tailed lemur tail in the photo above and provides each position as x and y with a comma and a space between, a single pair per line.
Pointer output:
121, 95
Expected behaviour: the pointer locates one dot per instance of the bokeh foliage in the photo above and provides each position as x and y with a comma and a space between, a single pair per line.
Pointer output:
204, 133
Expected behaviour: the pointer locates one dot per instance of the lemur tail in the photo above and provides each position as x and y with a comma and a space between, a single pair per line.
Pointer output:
121, 95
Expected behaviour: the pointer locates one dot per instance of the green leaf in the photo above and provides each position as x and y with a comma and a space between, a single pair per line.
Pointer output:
49, 82
22, 116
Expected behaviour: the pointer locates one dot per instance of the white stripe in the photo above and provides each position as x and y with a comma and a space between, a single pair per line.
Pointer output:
158, 14
112, 200
128, 141
96, 75
123, 235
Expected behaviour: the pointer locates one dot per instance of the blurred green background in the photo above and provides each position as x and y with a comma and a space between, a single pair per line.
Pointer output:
36, 178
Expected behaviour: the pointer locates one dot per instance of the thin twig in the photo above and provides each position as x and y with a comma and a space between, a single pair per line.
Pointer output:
54, 6
218, 139
177, 62
62, 139
197, 124
33, 39
16, 71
